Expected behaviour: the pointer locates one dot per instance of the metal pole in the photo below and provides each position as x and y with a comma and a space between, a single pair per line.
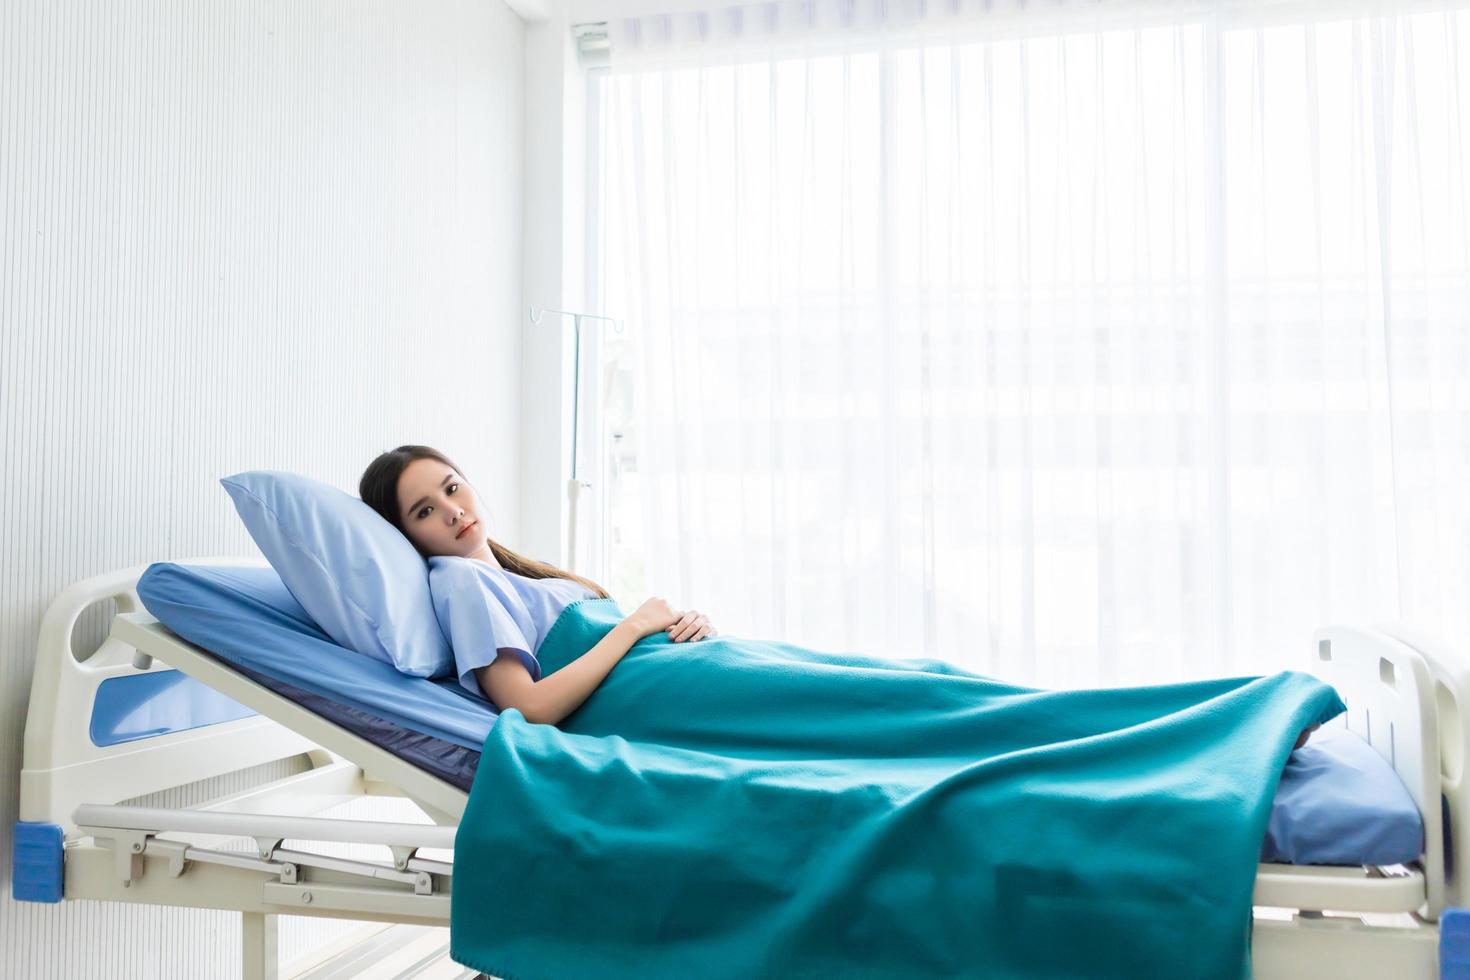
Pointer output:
260, 946
574, 485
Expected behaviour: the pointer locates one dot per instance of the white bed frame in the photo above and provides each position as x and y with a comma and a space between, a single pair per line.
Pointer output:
1404, 693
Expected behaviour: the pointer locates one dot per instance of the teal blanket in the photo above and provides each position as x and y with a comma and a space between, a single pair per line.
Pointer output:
749, 808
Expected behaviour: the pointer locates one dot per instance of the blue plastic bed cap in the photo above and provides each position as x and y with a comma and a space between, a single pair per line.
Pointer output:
35, 871
1454, 944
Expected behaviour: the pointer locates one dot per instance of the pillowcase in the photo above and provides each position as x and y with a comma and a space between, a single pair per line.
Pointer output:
353, 572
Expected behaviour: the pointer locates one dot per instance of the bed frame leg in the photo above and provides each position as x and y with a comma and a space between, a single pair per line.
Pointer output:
258, 937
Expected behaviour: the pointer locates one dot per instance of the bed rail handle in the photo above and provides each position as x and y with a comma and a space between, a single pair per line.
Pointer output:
157, 820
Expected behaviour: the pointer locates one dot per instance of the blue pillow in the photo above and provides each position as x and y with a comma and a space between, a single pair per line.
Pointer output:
353, 572
1340, 802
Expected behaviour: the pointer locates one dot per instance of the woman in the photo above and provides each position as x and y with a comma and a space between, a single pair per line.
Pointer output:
425, 496
768, 809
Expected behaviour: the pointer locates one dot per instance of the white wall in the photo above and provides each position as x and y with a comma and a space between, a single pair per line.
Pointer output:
234, 235
554, 240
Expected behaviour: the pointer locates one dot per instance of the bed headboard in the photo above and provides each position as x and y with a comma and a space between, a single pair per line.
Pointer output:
1388, 687
64, 765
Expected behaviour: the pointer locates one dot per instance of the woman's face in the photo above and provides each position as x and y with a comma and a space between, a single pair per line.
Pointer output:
440, 512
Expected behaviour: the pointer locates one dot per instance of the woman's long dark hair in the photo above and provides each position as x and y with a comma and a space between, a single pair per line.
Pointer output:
378, 488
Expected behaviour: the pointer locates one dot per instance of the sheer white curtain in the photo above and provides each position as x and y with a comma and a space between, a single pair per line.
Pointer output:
1078, 343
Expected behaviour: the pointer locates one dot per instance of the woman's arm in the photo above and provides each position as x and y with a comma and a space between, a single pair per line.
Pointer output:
508, 684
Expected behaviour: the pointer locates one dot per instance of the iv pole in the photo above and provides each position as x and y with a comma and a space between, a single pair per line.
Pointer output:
575, 486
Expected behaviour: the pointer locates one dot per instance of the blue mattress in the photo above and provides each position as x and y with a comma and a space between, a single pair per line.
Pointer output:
1339, 802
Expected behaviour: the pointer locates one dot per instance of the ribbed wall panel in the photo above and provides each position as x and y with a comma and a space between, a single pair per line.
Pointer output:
242, 234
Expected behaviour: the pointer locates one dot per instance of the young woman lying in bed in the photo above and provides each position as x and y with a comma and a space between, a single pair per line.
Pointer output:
479, 584
761, 808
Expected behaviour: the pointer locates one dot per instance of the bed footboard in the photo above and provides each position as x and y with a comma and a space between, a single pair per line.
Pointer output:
1402, 693
1446, 688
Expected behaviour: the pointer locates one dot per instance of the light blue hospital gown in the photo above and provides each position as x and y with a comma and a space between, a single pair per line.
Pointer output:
484, 609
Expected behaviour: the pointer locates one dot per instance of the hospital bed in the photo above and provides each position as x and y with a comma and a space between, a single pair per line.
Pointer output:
149, 711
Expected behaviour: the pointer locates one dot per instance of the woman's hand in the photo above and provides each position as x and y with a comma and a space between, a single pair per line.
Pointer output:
652, 616
655, 615
692, 625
